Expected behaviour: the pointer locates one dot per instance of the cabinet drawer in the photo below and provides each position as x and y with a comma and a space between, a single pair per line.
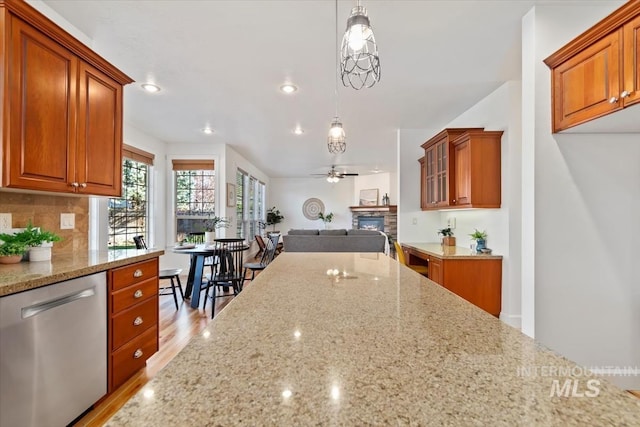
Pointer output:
133, 321
132, 356
129, 296
134, 273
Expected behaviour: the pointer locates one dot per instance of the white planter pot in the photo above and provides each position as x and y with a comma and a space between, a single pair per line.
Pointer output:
40, 253
209, 237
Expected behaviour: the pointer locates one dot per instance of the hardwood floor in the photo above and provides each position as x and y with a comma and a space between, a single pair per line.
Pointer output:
176, 329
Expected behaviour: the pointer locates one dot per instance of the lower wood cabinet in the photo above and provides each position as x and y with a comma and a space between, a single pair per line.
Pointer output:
133, 319
476, 279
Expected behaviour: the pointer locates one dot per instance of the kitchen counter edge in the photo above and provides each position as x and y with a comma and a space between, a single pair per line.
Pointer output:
448, 252
15, 278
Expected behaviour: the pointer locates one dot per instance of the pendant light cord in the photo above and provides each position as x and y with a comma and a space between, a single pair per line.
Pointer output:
337, 51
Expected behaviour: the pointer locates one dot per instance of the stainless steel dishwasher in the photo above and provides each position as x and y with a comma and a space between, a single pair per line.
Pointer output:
53, 352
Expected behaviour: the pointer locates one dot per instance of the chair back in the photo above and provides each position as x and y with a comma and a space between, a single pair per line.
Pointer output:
140, 243
270, 250
230, 254
399, 253
260, 242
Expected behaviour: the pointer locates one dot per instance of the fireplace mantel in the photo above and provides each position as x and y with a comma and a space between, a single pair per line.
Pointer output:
377, 208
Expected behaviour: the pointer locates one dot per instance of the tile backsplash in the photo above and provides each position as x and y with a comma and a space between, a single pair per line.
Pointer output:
44, 211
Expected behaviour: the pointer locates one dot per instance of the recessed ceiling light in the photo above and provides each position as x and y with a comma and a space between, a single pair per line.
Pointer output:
151, 88
207, 130
288, 88
298, 130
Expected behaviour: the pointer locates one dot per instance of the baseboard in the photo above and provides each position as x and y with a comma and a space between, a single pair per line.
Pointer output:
512, 320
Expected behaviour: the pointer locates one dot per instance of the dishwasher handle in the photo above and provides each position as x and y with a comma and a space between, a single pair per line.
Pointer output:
35, 309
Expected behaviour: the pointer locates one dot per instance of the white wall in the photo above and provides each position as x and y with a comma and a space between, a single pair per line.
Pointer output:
587, 199
288, 195
383, 182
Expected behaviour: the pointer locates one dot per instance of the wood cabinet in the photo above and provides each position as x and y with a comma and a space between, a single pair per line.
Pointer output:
477, 279
63, 109
461, 168
133, 319
598, 72
477, 169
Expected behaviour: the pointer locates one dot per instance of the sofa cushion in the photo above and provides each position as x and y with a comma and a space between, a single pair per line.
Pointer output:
337, 232
362, 232
303, 232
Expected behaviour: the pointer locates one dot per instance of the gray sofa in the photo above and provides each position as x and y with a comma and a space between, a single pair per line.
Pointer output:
339, 240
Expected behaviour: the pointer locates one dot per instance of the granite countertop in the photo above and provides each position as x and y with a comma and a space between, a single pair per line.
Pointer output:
357, 339
449, 252
23, 276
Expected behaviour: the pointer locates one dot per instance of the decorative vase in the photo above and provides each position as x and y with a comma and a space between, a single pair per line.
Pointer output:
449, 241
39, 253
209, 237
10, 259
480, 244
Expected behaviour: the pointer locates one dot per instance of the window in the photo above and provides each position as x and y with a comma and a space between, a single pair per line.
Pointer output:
195, 185
250, 209
128, 214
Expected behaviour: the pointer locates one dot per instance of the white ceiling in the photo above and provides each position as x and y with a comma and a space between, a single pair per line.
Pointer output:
220, 63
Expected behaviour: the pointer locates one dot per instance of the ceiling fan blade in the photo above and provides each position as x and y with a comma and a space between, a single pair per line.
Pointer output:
349, 174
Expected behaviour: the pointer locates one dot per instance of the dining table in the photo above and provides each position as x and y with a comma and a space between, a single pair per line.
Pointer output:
198, 253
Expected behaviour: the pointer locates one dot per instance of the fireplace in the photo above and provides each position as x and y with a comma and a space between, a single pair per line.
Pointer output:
371, 223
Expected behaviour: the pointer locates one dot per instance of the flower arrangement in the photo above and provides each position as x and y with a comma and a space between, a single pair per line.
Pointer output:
326, 218
214, 222
447, 236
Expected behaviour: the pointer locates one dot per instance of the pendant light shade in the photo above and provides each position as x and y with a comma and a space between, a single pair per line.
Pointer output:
359, 60
336, 141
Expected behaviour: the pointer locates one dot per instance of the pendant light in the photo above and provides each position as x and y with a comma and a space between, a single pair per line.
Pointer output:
360, 63
336, 141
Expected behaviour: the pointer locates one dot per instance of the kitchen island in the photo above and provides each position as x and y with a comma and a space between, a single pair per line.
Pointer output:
357, 339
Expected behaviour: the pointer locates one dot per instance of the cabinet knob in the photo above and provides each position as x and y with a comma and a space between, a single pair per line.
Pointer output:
138, 321
453, 201
625, 93
613, 100
138, 354
83, 185
137, 294
74, 184
137, 273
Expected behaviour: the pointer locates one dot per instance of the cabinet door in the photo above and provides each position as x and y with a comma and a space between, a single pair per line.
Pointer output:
423, 183
99, 166
435, 270
430, 159
42, 93
462, 190
588, 85
442, 169
631, 59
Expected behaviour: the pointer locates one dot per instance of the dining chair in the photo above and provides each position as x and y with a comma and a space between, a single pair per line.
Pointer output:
171, 274
230, 252
267, 257
422, 269
261, 246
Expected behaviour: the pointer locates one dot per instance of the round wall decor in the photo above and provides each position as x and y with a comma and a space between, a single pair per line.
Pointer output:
312, 207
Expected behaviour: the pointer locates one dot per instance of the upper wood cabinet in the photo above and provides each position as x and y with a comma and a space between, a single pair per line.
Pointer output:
62, 109
598, 72
461, 168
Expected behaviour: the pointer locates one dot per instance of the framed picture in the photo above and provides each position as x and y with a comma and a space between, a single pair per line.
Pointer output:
231, 195
369, 197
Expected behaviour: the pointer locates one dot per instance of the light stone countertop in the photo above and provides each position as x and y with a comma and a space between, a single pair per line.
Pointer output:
30, 275
449, 252
356, 339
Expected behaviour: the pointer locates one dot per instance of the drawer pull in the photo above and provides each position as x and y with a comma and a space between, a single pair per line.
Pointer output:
137, 273
138, 321
138, 354
137, 294
613, 100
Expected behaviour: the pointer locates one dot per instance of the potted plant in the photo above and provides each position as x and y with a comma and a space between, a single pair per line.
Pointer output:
211, 224
481, 239
12, 252
37, 240
274, 217
447, 237
326, 218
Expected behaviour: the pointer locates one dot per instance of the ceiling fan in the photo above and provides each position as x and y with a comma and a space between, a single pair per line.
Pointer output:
334, 175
